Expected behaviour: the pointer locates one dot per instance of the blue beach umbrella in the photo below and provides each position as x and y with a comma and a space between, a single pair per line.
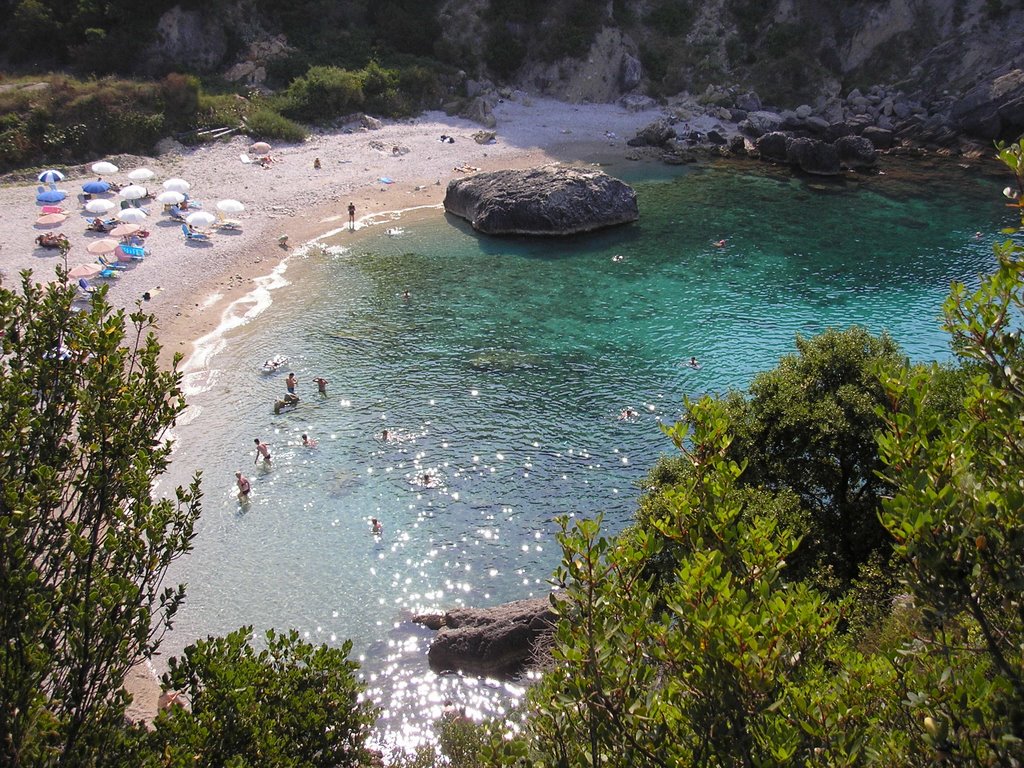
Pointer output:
51, 176
95, 187
51, 196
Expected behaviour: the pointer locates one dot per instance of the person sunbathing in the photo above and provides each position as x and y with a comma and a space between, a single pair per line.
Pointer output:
97, 225
50, 240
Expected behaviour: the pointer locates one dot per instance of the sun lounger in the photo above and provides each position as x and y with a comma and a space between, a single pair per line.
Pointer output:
190, 235
137, 252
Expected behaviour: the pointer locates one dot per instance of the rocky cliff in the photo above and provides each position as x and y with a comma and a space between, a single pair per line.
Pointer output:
790, 52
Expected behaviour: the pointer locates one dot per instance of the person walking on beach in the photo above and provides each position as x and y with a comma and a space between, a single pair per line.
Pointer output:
262, 449
244, 486
321, 384
290, 383
352, 216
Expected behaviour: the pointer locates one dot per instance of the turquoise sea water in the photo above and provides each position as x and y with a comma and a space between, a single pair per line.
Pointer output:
501, 378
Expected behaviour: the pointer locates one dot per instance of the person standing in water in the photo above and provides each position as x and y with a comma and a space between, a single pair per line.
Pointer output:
290, 383
352, 216
321, 384
244, 486
262, 449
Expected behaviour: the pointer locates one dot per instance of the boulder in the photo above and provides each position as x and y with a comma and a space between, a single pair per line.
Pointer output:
631, 72
856, 152
552, 200
759, 123
490, 641
479, 111
774, 146
881, 138
657, 134
815, 157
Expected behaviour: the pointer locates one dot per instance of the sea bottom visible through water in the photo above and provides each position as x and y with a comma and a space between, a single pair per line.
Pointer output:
501, 379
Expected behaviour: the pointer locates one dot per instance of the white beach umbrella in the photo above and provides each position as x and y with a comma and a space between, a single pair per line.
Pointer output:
141, 174
133, 192
201, 219
104, 167
100, 206
131, 215
177, 185
170, 197
230, 206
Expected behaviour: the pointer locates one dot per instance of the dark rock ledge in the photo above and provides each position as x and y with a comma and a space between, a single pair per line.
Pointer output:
552, 200
503, 640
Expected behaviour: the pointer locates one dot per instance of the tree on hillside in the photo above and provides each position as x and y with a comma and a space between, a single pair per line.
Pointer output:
84, 546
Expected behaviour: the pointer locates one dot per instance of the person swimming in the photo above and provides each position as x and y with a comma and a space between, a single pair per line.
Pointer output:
628, 414
693, 363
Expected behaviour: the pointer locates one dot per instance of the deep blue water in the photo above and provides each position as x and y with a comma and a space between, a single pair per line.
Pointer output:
502, 378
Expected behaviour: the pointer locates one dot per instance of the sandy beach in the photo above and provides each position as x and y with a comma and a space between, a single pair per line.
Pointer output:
190, 284
193, 287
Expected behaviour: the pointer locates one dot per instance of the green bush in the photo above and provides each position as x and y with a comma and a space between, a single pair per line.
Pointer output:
323, 94
265, 123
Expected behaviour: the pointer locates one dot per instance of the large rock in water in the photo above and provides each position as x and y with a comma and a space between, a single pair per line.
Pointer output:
552, 200
490, 641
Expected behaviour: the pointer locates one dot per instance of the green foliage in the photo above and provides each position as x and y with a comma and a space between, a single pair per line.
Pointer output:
323, 94
290, 704
958, 521
809, 426
84, 548
671, 17
265, 123
725, 667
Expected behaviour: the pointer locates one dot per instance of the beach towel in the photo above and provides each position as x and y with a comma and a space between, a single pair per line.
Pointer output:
386, 180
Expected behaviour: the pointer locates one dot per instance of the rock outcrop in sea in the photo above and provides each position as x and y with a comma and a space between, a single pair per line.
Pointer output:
501, 640
552, 200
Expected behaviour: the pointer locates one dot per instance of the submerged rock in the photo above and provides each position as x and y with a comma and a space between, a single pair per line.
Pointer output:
552, 200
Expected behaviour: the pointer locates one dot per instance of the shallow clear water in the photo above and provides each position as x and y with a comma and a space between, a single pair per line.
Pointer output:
502, 378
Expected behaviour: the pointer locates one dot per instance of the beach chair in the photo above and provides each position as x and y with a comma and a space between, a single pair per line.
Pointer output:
190, 235
84, 289
137, 252
110, 268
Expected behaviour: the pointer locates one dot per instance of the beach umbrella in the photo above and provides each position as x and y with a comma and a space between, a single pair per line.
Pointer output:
51, 196
177, 185
106, 245
133, 192
48, 219
131, 215
260, 148
123, 230
100, 206
87, 270
51, 176
230, 206
170, 197
201, 219
141, 174
95, 187
104, 167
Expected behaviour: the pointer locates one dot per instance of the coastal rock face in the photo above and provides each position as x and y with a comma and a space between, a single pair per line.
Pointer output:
553, 200
490, 641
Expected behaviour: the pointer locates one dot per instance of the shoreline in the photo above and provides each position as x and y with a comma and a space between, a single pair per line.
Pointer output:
200, 293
